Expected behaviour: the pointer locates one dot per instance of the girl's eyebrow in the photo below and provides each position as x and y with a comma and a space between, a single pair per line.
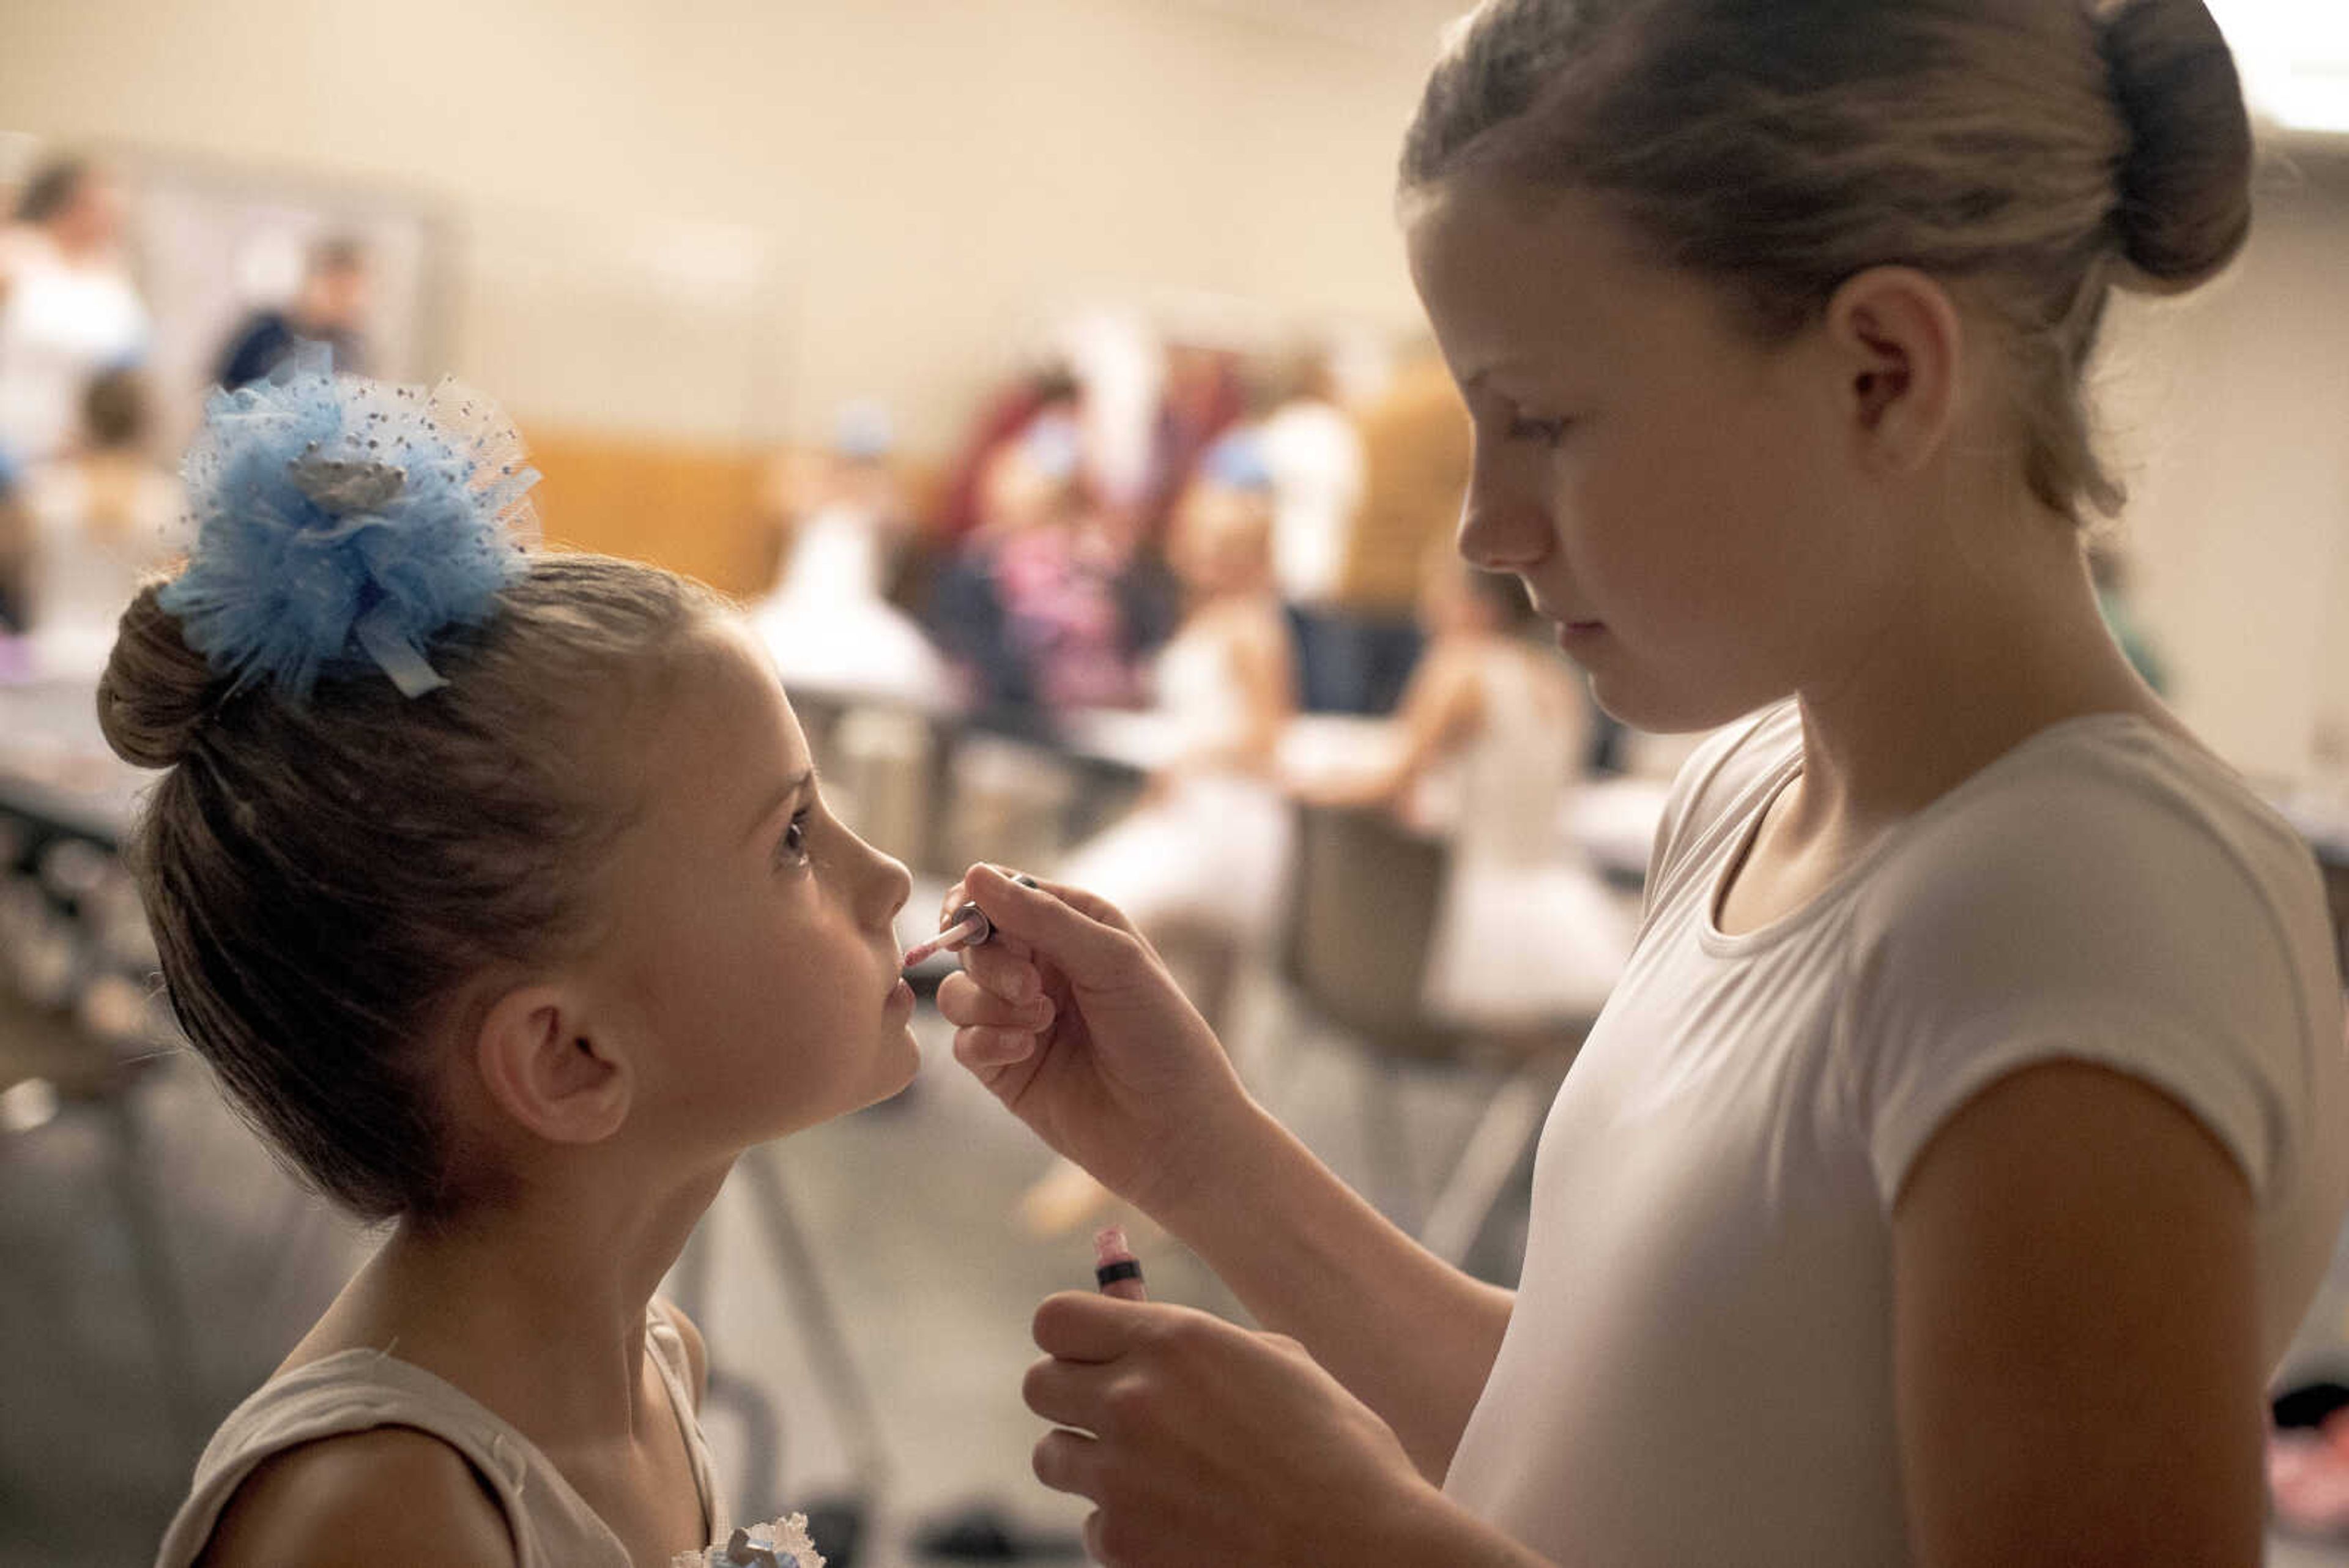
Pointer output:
799, 785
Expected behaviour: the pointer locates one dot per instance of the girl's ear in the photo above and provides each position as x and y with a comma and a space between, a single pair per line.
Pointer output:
1899, 342
544, 1064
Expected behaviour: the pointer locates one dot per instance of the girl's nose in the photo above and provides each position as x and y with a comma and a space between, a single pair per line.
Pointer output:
887, 886
1504, 527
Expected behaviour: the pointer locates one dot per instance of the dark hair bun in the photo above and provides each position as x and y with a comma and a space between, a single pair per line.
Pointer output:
2186, 184
157, 690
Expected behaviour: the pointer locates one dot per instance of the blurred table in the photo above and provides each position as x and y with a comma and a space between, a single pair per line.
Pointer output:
55, 767
1613, 821
1312, 745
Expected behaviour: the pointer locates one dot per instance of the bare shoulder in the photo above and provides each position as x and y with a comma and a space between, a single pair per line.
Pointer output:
392, 1494
697, 1356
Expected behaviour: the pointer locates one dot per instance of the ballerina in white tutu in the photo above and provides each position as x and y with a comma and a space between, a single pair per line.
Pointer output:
1488, 742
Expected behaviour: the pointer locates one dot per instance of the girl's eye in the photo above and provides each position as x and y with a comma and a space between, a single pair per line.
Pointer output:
1550, 432
794, 846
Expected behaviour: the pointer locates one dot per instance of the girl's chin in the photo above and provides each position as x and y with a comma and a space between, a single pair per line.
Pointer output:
909, 1065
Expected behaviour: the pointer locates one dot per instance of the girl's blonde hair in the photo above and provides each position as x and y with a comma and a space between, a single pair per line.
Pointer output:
2032, 153
323, 878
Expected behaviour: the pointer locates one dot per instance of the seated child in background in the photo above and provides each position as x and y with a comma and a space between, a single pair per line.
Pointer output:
101, 517
1209, 847
1028, 608
497, 892
1489, 740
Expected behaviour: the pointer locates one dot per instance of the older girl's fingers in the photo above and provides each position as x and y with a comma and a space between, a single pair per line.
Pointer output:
1091, 905
1070, 1393
1006, 971
956, 899
965, 1004
1078, 1325
982, 1047
1071, 1462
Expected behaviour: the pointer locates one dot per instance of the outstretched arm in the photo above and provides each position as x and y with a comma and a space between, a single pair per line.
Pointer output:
1440, 709
1409, 1334
1071, 1021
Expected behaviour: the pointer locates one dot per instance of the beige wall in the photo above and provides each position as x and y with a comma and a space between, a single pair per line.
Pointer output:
2229, 411
720, 217
717, 219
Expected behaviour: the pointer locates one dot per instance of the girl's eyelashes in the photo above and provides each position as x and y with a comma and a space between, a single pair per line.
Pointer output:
1550, 432
1516, 424
791, 848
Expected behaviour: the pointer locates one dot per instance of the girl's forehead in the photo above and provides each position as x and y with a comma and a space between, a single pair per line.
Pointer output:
726, 705
1530, 288
1509, 279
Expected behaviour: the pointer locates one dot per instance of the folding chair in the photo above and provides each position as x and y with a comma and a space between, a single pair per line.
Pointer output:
1367, 893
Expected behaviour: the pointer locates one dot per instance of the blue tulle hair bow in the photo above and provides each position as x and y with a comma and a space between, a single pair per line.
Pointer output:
343, 523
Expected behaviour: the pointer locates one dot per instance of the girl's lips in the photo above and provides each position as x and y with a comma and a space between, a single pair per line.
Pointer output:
1579, 635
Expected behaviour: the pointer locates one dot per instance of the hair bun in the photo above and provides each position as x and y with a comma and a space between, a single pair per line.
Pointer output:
2186, 182
157, 690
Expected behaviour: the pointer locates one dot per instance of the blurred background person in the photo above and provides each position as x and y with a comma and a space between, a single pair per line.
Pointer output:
1048, 393
331, 307
1203, 864
1028, 608
1489, 740
1415, 459
828, 619
1203, 395
68, 308
1314, 455
100, 517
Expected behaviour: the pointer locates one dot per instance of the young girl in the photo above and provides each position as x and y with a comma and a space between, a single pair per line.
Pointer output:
1963, 1143
1489, 737
102, 517
1209, 847
497, 890
1202, 863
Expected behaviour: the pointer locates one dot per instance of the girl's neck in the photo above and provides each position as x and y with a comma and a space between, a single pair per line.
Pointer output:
535, 1308
1951, 680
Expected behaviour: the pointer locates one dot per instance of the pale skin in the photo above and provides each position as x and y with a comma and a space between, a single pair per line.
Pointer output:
1712, 524
741, 983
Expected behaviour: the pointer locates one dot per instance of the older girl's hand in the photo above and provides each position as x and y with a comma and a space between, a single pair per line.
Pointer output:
1073, 1022
1200, 1443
